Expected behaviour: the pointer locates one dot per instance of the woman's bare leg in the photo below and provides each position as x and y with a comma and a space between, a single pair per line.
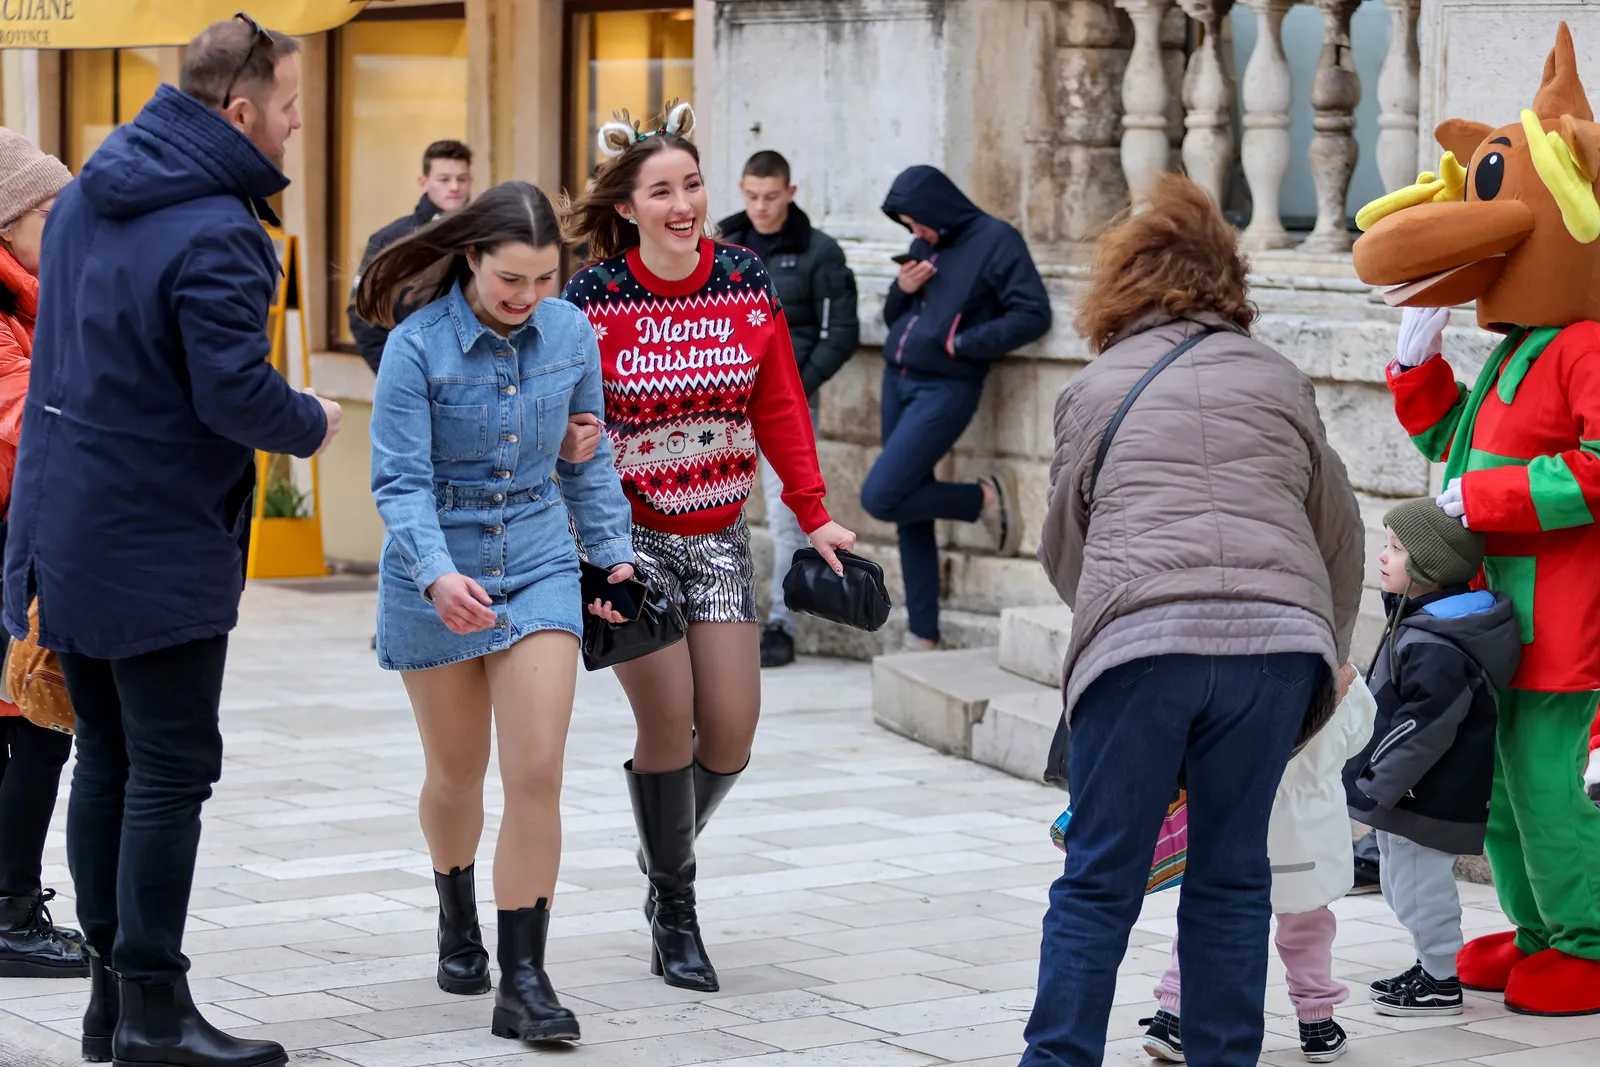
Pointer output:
725, 659
531, 685
661, 690
451, 705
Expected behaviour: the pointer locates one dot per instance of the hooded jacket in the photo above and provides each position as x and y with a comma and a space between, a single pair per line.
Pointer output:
986, 294
1429, 769
818, 292
150, 390
370, 339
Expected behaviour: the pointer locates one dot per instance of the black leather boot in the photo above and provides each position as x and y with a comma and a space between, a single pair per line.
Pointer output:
710, 789
525, 1006
31, 946
463, 961
664, 811
159, 1026
100, 1017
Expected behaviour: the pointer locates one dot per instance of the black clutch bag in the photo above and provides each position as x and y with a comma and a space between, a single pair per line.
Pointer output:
857, 599
660, 625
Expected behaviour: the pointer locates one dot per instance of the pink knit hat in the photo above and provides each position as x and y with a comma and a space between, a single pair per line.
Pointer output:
28, 177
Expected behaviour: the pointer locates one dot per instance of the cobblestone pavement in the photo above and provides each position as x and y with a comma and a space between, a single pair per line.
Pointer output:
867, 902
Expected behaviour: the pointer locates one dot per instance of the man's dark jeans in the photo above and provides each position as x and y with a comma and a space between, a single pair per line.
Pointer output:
31, 758
922, 418
149, 750
1231, 722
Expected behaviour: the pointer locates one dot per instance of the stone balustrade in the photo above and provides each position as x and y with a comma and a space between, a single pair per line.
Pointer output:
1265, 93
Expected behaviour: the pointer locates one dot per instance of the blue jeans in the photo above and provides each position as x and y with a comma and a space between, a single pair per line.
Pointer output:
1231, 722
922, 418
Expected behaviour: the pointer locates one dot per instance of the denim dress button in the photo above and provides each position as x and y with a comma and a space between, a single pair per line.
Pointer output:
509, 437
498, 497
510, 390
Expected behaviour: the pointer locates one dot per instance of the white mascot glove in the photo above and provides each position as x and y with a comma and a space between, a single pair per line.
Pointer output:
1421, 335
1451, 502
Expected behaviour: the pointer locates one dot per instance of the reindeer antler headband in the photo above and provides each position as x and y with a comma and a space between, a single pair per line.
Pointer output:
622, 132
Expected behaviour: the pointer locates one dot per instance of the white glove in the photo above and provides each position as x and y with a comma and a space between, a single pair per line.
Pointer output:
1451, 503
1421, 335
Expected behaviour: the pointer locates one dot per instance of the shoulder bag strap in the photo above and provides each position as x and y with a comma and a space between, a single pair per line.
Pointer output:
1133, 394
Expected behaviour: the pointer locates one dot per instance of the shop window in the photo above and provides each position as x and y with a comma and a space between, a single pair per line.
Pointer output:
636, 59
400, 85
104, 89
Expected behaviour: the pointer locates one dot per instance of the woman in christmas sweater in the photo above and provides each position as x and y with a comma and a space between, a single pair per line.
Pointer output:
698, 374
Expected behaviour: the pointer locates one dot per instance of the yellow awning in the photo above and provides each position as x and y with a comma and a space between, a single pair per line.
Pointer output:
149, 23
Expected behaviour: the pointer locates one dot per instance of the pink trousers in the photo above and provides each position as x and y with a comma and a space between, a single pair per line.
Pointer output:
1305, 945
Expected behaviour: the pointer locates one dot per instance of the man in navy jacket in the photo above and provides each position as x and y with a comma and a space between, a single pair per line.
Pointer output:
150, 393
967, 295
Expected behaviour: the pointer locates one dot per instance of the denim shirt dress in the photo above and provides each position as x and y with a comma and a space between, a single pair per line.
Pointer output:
466, 426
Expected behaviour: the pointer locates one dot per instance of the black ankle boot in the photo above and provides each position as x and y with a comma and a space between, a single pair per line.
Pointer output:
463, 961
526, 1006
159, 1026
710, 789
100, 1017
664, 811
31, 946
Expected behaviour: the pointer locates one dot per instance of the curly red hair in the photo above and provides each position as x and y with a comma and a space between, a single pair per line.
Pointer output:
1176, 253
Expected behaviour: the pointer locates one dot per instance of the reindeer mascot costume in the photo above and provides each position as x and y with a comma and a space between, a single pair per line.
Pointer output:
1511, 221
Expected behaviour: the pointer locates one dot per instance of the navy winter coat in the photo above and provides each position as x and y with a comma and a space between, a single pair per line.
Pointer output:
150, 390
987, 291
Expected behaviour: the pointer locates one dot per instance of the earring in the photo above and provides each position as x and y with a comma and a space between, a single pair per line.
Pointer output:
633, 222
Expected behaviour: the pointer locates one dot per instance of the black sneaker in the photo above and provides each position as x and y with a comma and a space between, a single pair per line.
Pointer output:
1385, 986
1162, 1040
1322, 1041
777, 647
1421, 994
1366, 881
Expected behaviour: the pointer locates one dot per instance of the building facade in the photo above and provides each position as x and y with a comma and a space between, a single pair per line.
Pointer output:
1045, 111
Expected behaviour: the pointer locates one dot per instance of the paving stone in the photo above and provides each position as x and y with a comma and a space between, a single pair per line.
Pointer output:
868, 902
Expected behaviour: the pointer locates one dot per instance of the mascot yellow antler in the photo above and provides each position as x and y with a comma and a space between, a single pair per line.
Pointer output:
1448, 185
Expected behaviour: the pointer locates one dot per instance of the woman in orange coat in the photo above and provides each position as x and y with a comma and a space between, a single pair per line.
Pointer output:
31, 757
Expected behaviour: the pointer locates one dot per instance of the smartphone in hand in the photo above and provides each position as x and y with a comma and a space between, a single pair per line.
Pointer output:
905, 257
626, 597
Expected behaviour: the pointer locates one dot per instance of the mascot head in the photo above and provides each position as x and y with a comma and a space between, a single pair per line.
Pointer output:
1509, 220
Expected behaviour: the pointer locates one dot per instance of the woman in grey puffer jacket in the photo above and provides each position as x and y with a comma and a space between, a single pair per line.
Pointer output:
1213, 562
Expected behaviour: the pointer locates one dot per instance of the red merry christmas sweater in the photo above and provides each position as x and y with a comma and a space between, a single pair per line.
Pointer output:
699, 373
1525, 441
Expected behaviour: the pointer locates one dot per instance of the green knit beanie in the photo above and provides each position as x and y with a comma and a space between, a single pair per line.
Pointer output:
1442, 551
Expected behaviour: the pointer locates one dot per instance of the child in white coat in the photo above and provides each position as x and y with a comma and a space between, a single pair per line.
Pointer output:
1308, 842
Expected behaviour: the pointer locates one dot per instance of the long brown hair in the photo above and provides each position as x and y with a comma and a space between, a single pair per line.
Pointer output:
421, 268
1175, 253
593, 217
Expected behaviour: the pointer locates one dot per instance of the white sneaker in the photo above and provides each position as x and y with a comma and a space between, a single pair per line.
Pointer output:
1591, 777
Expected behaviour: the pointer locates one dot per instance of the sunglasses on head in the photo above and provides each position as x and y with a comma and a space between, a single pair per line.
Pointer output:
261, 37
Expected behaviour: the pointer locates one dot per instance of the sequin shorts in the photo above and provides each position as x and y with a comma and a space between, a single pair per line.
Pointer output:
712, 575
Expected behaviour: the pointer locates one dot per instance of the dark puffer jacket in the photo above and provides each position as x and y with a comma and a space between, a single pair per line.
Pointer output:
986, 293
1427, 773
370, 339
818, 292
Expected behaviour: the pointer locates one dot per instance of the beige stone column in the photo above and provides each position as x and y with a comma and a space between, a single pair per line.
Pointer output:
1335, 92
1399, 93
1208, 100
1146, 152
1265, 149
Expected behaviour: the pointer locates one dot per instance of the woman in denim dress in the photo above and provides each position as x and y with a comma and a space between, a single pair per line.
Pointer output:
478, 598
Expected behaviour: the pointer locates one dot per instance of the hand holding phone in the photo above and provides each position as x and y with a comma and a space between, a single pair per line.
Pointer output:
903, 258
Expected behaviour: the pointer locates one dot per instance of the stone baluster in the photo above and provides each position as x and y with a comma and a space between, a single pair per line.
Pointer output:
1208, 100
1267, 91
1335, 92
1146, 152
1399, 93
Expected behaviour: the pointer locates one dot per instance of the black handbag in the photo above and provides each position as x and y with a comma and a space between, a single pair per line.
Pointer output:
660, 625
857, 599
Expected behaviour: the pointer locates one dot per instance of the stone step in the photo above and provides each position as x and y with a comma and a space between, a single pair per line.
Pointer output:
1015, 732
936, 698
1033, 642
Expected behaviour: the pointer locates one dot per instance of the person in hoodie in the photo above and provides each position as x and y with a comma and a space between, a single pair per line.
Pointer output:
818, 292
446, 183
1424, 781
968, 295
150, 394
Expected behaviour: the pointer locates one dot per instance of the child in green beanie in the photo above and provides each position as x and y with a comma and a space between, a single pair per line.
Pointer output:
1424, 780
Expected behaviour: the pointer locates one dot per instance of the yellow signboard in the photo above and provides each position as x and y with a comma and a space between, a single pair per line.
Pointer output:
150, 23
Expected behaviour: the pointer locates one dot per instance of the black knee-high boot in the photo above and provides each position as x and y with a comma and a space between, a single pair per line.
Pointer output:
525, 1006
664, 811
463, 961
710, 789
